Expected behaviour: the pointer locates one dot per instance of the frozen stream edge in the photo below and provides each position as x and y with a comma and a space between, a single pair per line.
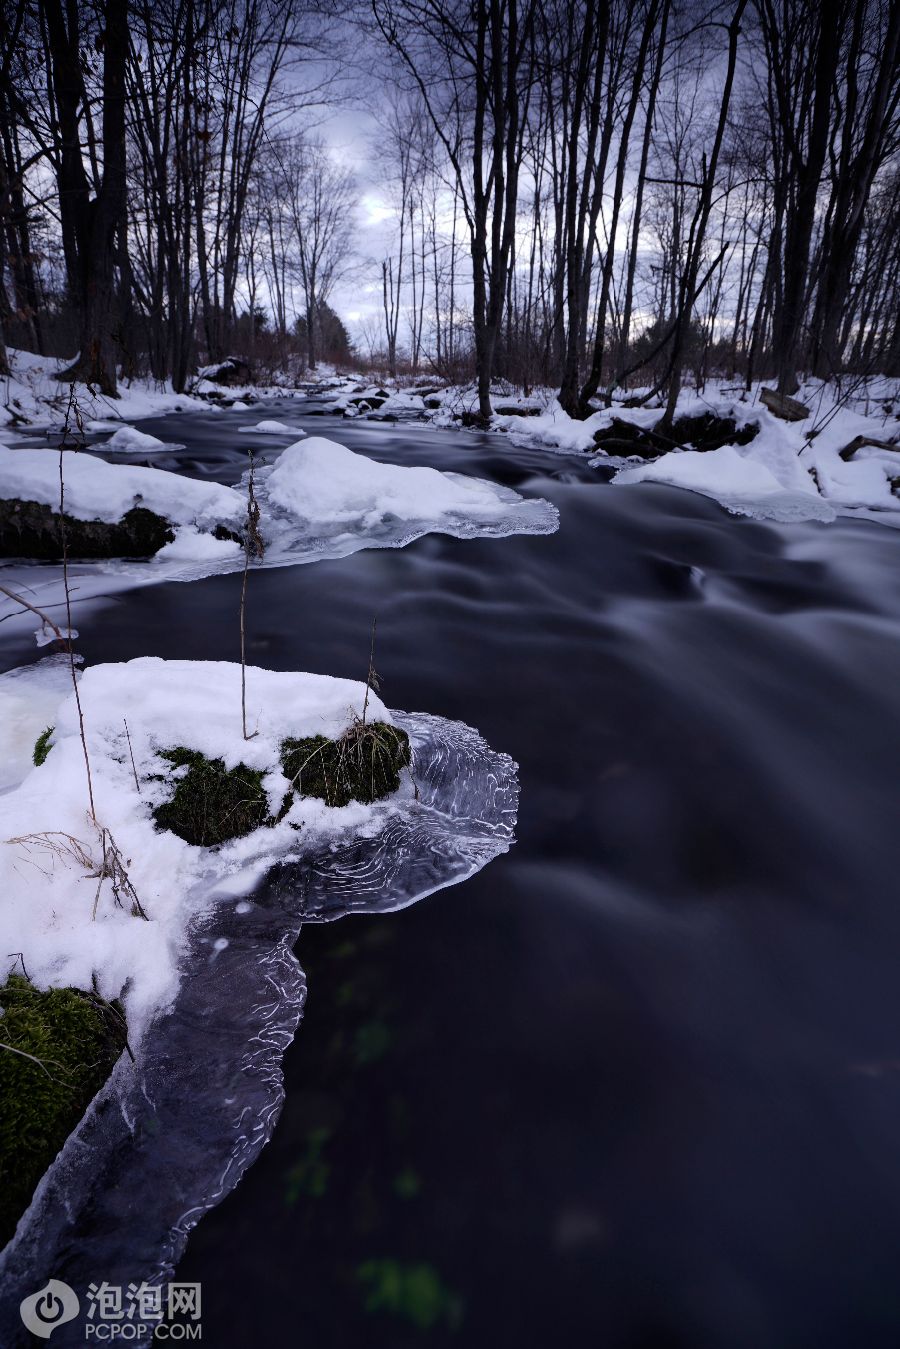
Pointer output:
169, 1137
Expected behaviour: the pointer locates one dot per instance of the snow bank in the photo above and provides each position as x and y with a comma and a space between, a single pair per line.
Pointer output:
554, 429
33, 395
742, 484
317, 501
801, 474
95, 490
789, 471
51, 848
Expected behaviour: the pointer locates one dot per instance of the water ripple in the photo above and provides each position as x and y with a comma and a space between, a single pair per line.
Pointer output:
169, 1137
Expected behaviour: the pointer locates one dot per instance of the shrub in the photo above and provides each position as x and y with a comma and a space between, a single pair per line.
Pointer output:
364, 764
42, 747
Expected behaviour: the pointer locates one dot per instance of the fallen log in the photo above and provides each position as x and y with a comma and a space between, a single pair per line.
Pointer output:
858, 442
780, 405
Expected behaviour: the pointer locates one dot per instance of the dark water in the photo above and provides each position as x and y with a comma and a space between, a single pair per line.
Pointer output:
638, 1082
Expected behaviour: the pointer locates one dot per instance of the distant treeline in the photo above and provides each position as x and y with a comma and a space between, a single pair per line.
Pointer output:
582, 194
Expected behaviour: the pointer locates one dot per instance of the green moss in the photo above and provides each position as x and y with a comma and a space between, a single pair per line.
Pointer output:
407, 1183
364, 764
373, 1040
412, 1293
309, 1177
77, 1037
42, 747
210, 803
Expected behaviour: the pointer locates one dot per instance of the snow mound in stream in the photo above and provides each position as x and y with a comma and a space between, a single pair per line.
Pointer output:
331, 490
51, 850
272, 428
129, 440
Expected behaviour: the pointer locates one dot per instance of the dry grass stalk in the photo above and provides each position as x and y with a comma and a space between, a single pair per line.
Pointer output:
72, 438
131, 752
56, 845
255, 547
59, 845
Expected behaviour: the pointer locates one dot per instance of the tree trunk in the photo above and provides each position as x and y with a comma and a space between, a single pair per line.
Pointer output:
105, 219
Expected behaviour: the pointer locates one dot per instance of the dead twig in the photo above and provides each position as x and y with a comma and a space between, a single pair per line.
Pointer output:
113, 868
45, 618
255, 547
41, 1063
372, 681
76, 438
131, 752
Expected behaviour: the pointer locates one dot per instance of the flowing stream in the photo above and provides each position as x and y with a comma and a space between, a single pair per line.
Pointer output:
637, 1082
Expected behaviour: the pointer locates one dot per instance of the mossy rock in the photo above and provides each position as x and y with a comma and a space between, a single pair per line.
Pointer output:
210, 803
363, 765
77, 1037
31, 529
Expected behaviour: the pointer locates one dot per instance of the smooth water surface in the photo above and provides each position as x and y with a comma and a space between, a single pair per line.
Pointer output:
638, 1082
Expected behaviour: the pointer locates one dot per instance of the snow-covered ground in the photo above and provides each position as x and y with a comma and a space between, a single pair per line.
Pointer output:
52, 848
31, 396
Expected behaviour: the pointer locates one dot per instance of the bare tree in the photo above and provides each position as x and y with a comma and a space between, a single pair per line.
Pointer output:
474, 70
317, 199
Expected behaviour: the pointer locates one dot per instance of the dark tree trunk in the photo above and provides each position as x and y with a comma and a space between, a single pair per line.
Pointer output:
855, 175
97, 225
804, 166
690, 282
